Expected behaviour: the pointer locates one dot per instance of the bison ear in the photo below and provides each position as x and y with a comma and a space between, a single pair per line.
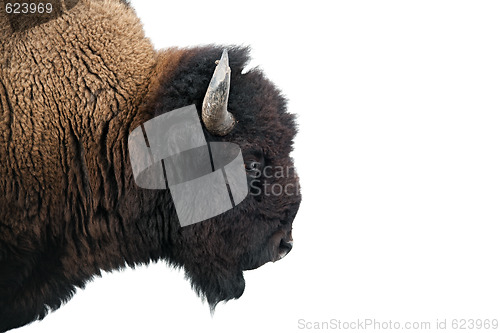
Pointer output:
217, 119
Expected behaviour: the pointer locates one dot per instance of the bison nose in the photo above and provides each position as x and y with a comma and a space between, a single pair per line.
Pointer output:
285, 247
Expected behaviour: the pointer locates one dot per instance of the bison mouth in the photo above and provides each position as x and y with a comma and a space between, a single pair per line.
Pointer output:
276, 248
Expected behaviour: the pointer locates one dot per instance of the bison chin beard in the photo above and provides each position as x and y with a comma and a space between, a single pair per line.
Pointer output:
214, 284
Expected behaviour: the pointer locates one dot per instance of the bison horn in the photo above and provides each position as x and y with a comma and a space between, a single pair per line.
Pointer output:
217, 119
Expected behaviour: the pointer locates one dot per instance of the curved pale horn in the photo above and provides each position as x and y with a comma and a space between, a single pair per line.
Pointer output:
217, 119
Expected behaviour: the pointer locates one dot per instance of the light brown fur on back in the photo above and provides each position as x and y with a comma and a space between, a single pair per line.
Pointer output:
61, 82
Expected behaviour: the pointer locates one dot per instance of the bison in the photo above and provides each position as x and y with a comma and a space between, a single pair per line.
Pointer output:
73, 86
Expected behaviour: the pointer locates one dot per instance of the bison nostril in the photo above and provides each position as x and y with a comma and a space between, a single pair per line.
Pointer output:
286, 244
285, 247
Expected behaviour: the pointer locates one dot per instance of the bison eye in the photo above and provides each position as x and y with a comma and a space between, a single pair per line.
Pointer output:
252, 166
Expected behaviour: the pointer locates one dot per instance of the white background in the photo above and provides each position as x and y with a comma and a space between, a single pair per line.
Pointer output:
398, 153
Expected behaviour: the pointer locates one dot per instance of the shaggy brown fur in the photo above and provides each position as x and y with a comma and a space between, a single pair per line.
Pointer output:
71, 90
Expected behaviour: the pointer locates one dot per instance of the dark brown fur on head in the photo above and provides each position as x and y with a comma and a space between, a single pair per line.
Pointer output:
215, 252
69, 207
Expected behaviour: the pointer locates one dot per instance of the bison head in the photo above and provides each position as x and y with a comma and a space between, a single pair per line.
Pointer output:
246, 109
